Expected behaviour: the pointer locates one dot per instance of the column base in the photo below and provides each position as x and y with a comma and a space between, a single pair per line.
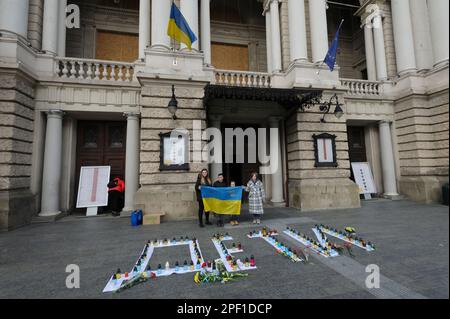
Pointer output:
49, 214
278, 204
393, 196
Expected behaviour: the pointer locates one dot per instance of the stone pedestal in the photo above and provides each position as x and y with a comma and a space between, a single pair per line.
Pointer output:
336, 193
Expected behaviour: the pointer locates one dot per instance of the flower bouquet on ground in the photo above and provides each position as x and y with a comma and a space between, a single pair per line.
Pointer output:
217, 274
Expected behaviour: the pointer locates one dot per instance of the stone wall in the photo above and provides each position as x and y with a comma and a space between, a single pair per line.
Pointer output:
318, 188
17, 204
422, 128
170, 192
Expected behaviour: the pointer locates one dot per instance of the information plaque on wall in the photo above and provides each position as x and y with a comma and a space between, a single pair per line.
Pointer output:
174, 151
93, 186
364, 178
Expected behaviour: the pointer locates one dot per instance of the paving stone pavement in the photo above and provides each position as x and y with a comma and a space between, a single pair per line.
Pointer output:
412, 241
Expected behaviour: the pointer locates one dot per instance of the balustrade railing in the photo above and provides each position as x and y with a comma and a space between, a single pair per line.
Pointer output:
362, 87
242, 79
73, 68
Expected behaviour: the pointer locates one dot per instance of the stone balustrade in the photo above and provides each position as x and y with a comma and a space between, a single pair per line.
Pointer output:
75, 68
242, 79
362, 88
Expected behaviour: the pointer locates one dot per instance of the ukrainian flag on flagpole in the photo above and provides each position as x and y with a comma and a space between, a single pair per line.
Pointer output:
178, 28
223, 201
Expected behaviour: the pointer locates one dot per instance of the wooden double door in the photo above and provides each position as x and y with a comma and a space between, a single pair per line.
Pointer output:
101, 144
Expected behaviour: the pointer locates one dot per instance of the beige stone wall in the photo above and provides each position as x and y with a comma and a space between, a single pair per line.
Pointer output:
318, 188
169, 192
35, 23
422, 129
16, 139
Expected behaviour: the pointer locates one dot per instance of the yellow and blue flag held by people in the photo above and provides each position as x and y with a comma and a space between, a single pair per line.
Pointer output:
223, 201
179, 29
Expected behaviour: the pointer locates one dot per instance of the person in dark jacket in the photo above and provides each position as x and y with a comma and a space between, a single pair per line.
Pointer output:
116, 190
220, 183
202, 180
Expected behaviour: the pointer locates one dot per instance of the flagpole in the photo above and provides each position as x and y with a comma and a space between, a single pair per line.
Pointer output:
172, 40
323, 62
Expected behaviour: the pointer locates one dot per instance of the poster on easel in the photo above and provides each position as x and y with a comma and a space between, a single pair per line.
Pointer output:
93, 188
364, 179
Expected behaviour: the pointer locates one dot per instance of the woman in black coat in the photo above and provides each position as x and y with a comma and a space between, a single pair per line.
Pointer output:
202, 180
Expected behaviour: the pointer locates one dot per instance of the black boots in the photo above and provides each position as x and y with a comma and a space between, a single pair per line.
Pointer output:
200, 219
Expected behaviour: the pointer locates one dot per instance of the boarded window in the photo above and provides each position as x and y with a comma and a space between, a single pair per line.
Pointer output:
230, 57
113, 46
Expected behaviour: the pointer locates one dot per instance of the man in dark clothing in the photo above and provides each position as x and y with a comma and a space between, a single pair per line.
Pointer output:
220, 183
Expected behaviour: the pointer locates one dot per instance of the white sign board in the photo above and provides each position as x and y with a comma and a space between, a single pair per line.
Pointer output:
325, 150
364, 178
93, 186
174, 151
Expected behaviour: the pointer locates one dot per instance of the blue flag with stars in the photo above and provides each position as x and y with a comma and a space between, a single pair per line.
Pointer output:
330, 59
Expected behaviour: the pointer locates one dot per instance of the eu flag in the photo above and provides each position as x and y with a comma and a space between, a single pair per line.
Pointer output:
178, 28
330, 59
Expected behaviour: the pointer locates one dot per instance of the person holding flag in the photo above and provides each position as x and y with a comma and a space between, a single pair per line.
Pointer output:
178, 28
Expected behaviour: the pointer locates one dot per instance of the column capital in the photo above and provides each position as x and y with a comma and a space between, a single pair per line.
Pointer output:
385, 122
55, 114
274, 121
132, 115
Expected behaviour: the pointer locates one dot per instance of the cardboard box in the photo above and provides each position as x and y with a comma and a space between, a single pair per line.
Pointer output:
152, 218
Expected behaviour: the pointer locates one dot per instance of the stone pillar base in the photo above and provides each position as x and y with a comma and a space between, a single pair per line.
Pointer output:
426, 189
17, 209
176, 202
277, 204
336, 193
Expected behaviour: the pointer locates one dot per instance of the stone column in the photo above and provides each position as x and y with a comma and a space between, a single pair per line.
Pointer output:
62, 28
14, 16
50, 26
319, 30
144, 27
370, 52
403, 36
439, 23
275, 35
269, 42
189, 9
275, 155
297, 30
132, 160
380, 52
206, 31
216, 168
51, 176
387, 160
422, 35
160, 20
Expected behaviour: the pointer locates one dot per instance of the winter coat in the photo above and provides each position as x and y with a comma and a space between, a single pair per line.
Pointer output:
256, 197
199, 183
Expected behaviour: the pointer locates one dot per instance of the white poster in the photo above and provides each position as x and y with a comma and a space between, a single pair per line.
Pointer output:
325, 150
364, 178
174, 151
93, 186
